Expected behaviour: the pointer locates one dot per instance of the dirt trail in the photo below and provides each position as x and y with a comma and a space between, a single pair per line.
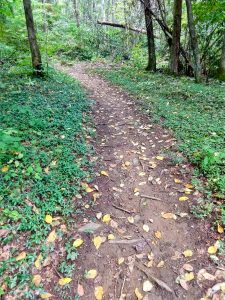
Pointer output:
133, 152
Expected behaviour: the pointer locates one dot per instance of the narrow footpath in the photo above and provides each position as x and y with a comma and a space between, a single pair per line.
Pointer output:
145, 244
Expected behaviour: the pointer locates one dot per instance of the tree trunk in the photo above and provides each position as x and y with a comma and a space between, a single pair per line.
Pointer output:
35, 52
175, 47
194, 42
222, 62
76, 12
150, 37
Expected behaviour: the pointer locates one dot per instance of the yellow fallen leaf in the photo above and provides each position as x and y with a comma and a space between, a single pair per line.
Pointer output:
188, 253
38, 261
168, 216
183, 198
48, 219
87, 188
5, 169
91, 274
127, 163
160, 157
64, 281
188, 186
46, 296
36, 280
212, 249
220, 229
158, 234
77, 243
189, 276
120, 260
46, 170
97, 241
138, 294
146, 228
161, 264
104, 173
99, 292
95, 196
52, 236
130, 220
106, 219
176, 180
111, 236
21, 256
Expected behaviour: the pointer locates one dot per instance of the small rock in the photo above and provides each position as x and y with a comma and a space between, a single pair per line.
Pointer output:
147, 286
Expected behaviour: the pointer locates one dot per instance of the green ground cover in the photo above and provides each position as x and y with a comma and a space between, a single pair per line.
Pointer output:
44, 158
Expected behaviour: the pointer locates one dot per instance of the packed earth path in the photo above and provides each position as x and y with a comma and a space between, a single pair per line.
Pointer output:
140, 239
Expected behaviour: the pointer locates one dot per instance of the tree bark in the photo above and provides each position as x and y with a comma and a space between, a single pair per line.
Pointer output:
35, 52
175, 47
76, 12
194, 41
222, 61
150, 37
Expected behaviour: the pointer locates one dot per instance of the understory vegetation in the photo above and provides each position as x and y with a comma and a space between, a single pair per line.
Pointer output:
44, 160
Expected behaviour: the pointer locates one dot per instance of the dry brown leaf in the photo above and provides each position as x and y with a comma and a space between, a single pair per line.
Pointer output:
80, 290
158, 234
21, 256
36, 280
52, 236
168, 215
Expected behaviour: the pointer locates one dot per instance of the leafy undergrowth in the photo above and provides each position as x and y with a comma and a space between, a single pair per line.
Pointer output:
44, 163
195, 112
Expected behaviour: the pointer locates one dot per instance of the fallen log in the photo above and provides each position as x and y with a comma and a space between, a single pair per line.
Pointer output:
123, 26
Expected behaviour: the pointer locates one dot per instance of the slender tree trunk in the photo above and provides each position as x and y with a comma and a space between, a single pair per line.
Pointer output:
76, 12
194, 42
222, 62
175, 47
35, 52
150, 37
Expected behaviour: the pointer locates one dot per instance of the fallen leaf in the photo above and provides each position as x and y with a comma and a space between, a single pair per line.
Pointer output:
87, 188
95, 196
130, 220
36, 280
99, 292
188, 253
212, 249
91, 274
220, 229
52, 236
97, 241
204, 275
152, 164
189, 276
5, 169
183, 198
38, 261
161, 264
111, 236
46, 296
64, 281
168, 216
187, 267
99, 215
77, 243
106, 218
158, 234
176, 180
160, 157
104, 173
48, 219
138, 294
120, 260
146, 228
183, 284
80, 290
127, 163
188, 185
147, 286
21, 256
113, 224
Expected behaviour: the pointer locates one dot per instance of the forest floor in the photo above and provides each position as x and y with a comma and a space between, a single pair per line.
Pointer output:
140, 240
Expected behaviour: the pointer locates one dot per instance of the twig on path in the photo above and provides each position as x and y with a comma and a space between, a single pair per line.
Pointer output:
122, 209
60, 276
151, 197
121, 291
160, 283
126, 242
